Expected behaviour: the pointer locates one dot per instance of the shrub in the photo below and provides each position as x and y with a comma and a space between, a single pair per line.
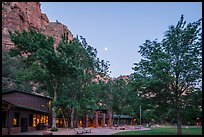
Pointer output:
54, 129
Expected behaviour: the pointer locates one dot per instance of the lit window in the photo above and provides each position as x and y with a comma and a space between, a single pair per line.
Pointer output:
38, 119
60, 121
15, 121
46, 119
42, 120
57, 120
80, 122
34, 120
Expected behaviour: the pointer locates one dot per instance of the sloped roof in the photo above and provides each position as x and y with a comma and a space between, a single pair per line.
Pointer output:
121, 116
24, 107
7, 92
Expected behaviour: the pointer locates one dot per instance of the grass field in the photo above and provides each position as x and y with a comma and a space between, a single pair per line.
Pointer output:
163, 131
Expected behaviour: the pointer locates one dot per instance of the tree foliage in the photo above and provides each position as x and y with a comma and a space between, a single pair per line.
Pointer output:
172, 67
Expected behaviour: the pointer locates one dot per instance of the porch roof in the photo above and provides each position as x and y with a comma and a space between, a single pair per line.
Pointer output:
121, 116
22, 107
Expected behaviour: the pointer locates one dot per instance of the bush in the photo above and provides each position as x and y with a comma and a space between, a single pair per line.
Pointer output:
54, 129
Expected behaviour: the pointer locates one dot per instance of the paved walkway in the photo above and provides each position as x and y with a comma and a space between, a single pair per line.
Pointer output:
94, 131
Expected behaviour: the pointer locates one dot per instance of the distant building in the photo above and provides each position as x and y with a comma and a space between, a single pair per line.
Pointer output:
122, 119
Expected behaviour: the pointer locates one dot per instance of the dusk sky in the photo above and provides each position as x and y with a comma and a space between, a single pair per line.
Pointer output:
117, 29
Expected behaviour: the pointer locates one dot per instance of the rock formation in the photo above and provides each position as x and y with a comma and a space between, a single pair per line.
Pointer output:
21, 15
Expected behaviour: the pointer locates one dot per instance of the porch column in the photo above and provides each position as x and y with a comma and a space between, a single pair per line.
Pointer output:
96, 120
87, 120
103, 120
49, 117
10, 119
109, 118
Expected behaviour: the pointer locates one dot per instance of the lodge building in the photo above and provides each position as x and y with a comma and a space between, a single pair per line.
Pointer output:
22, 111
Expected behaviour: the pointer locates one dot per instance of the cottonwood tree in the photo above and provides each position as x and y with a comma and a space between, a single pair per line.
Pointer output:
171, 69
46, 64
115, 96
120, 97
192, 108
87, 65
104, 95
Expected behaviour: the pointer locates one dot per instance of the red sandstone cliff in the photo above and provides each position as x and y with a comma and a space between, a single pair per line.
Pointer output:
21, 15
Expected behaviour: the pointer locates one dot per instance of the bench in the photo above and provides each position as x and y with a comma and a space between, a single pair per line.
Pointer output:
79, 130
87, 130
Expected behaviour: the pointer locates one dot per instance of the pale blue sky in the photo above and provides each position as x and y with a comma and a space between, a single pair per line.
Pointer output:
121, 27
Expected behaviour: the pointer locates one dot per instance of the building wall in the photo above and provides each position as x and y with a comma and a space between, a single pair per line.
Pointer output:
22, 114
122, 121
11, 131
31, 128
27, 100
15, 130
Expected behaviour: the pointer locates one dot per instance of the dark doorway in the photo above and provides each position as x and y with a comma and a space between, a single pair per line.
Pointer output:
4, 121
24, 124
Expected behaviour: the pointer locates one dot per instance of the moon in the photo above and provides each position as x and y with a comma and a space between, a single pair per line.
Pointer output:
105, 49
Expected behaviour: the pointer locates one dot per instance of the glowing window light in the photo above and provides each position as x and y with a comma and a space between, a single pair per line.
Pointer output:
15, 121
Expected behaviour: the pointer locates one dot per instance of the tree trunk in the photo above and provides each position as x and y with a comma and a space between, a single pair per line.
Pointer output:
131, 123
119, 119
112, 120
68, 121
53, 112
65, 124
178, 117
54, 107
76, 121
53, 117
72, 118
110, 113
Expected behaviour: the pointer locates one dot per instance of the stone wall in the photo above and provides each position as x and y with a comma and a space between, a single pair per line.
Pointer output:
4, 131
14, 130
31, 128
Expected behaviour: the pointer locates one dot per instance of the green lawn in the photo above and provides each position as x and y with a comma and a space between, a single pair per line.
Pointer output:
163, 131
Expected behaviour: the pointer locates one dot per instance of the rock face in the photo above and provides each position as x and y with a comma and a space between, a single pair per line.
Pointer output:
21, 15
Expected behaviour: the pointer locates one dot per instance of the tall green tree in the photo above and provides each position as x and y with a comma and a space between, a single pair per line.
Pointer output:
50, 65
104, 94
116, 96
87, 65
192, 108
120, 97
171, 67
